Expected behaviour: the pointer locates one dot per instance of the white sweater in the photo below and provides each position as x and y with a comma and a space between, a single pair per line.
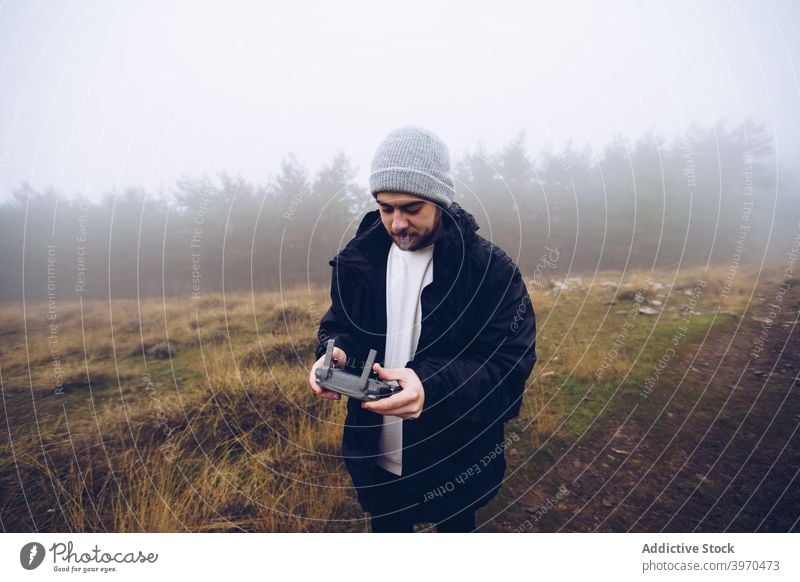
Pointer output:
407, 273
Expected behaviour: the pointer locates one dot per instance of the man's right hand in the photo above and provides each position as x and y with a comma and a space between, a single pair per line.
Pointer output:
338, 361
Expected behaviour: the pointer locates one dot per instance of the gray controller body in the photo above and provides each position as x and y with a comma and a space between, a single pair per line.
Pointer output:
360, 387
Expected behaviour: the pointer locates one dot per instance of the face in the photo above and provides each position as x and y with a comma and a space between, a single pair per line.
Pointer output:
412, 222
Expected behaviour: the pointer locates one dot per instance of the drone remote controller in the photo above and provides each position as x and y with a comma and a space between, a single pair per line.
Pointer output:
360, 387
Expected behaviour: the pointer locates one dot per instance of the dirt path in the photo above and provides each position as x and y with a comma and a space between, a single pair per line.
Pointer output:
714, 447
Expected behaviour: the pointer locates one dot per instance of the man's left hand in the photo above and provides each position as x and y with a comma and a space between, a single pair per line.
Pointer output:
408, 402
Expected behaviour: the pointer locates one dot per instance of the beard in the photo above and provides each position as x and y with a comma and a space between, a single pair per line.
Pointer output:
415, 242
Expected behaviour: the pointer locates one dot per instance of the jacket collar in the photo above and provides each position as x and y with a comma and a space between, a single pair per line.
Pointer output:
369, 248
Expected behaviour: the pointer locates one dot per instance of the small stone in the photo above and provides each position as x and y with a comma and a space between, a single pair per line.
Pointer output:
163, 350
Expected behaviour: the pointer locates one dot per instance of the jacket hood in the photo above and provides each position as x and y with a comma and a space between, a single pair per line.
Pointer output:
371, 242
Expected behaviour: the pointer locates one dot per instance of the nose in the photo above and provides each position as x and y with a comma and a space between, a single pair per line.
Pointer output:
399, 221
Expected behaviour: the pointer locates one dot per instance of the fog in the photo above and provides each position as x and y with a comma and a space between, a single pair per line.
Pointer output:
98, 95
130, 102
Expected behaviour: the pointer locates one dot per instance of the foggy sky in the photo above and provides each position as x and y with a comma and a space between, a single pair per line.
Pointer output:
98, 95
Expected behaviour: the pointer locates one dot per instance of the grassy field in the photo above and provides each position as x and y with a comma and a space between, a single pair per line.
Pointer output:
196, 415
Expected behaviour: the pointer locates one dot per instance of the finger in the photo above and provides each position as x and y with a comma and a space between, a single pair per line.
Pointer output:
325, 393
392, 402
409, 408
312, 376
314, 386
407, 414
339, 358
409, 411
388, 373
319, 390
386, 405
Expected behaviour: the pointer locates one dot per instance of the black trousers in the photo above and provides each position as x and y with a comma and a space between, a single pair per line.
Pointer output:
398, 513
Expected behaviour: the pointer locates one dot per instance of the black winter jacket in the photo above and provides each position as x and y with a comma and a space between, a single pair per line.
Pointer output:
475, 352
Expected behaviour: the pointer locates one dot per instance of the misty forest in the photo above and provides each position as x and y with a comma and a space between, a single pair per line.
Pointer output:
705, 196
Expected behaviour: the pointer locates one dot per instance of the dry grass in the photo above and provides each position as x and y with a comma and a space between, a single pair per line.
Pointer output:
590, 330
226, 435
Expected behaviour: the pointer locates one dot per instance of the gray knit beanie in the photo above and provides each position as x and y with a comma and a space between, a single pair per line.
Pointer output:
415, 161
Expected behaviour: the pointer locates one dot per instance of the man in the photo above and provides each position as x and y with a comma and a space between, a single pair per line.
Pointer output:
451, 319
